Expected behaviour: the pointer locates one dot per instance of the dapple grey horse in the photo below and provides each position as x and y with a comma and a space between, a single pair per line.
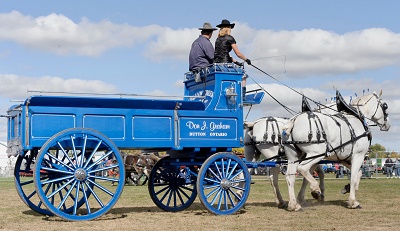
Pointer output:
263, 137
343, 137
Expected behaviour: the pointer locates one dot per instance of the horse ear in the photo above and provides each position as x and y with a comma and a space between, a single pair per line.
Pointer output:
380, 93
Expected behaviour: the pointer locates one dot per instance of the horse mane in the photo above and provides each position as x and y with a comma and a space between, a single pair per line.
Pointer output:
362, 100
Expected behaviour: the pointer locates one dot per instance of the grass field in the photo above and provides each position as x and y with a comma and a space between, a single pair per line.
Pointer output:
379, 198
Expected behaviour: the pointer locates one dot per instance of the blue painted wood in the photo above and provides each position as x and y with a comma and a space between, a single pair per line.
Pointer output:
206, 117
254, 98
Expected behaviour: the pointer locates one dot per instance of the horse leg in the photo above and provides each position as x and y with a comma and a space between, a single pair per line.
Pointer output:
147, 174
304, 169
301, 196
274, 174
355, 167
321, 177
290, 180
346, 188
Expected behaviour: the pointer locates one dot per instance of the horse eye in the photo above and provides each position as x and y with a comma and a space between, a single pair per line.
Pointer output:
385, 106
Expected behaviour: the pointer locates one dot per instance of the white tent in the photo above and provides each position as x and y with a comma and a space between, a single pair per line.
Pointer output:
3, 154
5, 169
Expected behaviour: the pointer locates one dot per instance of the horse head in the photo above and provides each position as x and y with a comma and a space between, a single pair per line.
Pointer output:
374, 109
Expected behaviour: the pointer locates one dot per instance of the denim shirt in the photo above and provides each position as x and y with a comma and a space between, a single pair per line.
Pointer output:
201, 53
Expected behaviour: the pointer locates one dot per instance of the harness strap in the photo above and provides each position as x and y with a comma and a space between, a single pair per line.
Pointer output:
333, 149
310, 114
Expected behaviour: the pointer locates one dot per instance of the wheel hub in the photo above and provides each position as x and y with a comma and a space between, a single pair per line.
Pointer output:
225, 184
80, 174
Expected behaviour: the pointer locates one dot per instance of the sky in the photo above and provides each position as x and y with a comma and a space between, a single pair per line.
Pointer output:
142, 47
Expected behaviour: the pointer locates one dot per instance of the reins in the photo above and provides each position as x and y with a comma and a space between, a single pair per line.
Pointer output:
308, 98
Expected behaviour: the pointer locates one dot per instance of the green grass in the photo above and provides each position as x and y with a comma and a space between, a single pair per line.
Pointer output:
135, 211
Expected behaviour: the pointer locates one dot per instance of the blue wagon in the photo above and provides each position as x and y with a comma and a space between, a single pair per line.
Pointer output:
69, 144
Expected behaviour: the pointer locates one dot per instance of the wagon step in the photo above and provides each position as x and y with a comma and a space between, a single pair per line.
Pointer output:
253, 98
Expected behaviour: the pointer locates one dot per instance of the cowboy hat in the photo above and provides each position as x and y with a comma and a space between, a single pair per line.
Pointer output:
207, 26
226, 23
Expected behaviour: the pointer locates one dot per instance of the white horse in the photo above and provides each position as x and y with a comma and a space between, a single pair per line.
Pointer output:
343, 137
263, 137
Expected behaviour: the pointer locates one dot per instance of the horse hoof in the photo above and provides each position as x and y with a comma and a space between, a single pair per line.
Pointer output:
346, 189
355, 206
317, 195
299, 210
322, 198
283, 205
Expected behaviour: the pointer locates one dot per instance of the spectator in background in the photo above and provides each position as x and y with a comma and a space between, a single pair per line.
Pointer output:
339, 170
366, 166
397, 166
389, 167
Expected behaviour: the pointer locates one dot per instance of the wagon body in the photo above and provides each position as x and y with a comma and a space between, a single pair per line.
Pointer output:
206, 118
69, 144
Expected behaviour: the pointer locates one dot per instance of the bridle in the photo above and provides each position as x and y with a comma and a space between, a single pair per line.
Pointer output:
381, 105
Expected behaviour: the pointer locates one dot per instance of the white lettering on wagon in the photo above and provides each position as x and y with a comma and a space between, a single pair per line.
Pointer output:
208, 95
218, 134
212, 127
197, 134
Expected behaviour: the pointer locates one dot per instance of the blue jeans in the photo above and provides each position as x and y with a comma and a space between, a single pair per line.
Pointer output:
398, 171
389, 171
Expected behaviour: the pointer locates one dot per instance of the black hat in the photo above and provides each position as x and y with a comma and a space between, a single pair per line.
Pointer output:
226, 23
207, 26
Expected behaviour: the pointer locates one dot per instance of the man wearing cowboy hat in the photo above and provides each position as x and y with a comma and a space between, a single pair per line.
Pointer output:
202, 51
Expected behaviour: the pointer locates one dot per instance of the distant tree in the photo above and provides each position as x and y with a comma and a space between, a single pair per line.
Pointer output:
378, 151
377, 148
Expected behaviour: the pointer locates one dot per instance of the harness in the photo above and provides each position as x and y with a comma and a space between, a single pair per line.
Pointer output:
274, 139
320, 137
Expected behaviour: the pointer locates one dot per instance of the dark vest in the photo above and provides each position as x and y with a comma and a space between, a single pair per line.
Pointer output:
223, 45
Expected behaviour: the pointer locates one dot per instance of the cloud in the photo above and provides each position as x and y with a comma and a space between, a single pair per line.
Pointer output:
58, 34
16, 87
280, 96
171, 44
319, 52
308, 52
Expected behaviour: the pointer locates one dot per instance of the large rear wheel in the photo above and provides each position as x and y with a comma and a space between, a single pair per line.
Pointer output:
71, 167
23, 179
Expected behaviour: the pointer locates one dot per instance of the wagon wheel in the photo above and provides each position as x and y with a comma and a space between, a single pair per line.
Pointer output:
172, 188
23, 179
223, 183
74, 163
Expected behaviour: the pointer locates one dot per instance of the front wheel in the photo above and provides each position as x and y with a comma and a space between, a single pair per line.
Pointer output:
223, 183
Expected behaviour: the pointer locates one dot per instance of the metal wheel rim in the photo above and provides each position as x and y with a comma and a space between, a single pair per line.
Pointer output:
73, 174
